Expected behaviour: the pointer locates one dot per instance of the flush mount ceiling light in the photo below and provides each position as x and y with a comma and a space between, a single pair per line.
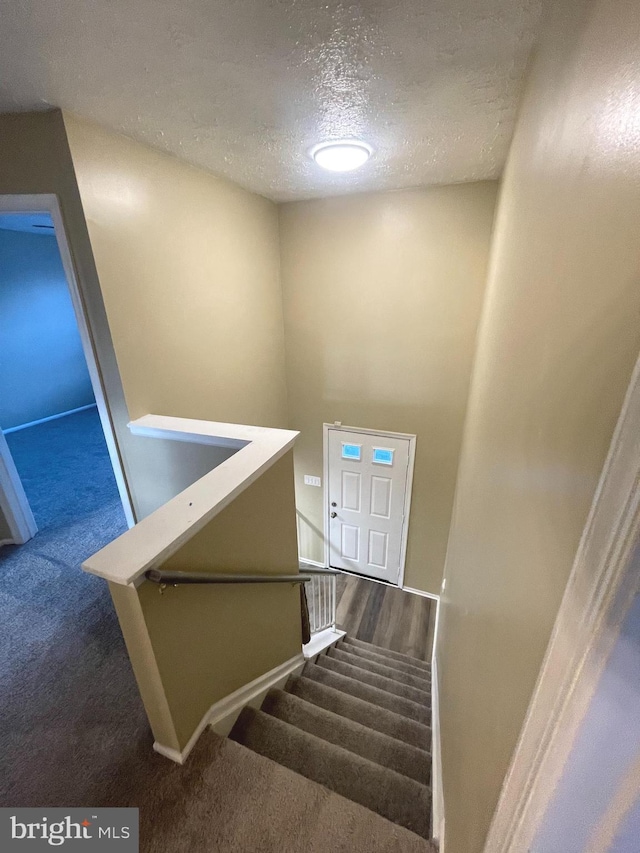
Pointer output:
341, 155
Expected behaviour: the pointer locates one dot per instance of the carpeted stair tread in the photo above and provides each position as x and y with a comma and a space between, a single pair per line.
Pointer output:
389, 653
398, 704
399, 665
361, 711
387, 671
375, 746
420, 697
228, 799
398, 798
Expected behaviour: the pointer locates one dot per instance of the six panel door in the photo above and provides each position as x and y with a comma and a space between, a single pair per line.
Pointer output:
367, 486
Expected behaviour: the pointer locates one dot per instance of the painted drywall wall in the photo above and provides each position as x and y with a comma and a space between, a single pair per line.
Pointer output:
194, 645
596, 803
558, 339
43, 371
189, 269
382, 297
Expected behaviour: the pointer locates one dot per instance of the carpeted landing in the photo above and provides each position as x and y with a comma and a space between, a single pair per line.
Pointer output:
357, 721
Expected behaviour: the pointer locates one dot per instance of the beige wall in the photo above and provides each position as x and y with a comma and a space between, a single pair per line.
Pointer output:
194, 645
559, 336
188, 266
382, 296
189, 269
190, 275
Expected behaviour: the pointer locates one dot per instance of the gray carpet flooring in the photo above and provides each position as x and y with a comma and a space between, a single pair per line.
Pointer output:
68, 700
333, 740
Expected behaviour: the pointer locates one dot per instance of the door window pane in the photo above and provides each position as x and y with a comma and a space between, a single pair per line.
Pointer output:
383, 455
351, 451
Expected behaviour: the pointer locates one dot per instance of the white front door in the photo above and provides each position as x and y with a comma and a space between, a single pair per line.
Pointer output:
367, 488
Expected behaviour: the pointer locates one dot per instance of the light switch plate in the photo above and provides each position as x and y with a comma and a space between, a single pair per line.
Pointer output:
312, 481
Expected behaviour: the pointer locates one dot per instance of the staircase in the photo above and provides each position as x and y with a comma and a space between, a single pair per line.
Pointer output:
357, 721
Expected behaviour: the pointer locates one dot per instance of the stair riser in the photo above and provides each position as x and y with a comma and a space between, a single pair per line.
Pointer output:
391, 795
419, 664
361, 711
400, 666
420, 697
343, 655
411, 710
365, 742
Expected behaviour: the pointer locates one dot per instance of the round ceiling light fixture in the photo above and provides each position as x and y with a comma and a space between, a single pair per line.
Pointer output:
341, 155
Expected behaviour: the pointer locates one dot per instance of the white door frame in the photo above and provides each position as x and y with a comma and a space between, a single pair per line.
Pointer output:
13, 500
407, 494
601, 587
11, 492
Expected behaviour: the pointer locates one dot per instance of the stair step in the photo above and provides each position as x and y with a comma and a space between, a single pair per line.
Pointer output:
399, 665
360, 711
377, 747
421, 697
398, 798
388, 671
420, 664
355, 687
240, 802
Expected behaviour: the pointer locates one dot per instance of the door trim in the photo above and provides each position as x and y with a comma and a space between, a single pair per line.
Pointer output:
13, 500
339, 427
48, 203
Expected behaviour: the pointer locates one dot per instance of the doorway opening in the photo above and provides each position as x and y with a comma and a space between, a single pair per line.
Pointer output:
64, 672
60, 471
368, 477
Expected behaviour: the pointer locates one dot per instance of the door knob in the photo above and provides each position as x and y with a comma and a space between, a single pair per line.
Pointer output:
333, 514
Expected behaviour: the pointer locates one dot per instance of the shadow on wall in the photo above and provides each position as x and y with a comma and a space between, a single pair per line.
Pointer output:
164, 468
43, 371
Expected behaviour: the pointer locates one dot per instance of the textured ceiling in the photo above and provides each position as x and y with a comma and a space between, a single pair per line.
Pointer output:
245, 87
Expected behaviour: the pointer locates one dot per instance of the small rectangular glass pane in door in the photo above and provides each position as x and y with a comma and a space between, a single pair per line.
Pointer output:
351, 451
383, 455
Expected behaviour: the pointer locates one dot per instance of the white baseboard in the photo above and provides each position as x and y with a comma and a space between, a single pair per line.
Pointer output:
321, 641
6, 542
437, 788
49, 418
222, 714
408, 589
420, 592
312, 563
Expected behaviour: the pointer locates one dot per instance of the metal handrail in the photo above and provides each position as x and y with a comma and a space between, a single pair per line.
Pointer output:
312, 570
157, 576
